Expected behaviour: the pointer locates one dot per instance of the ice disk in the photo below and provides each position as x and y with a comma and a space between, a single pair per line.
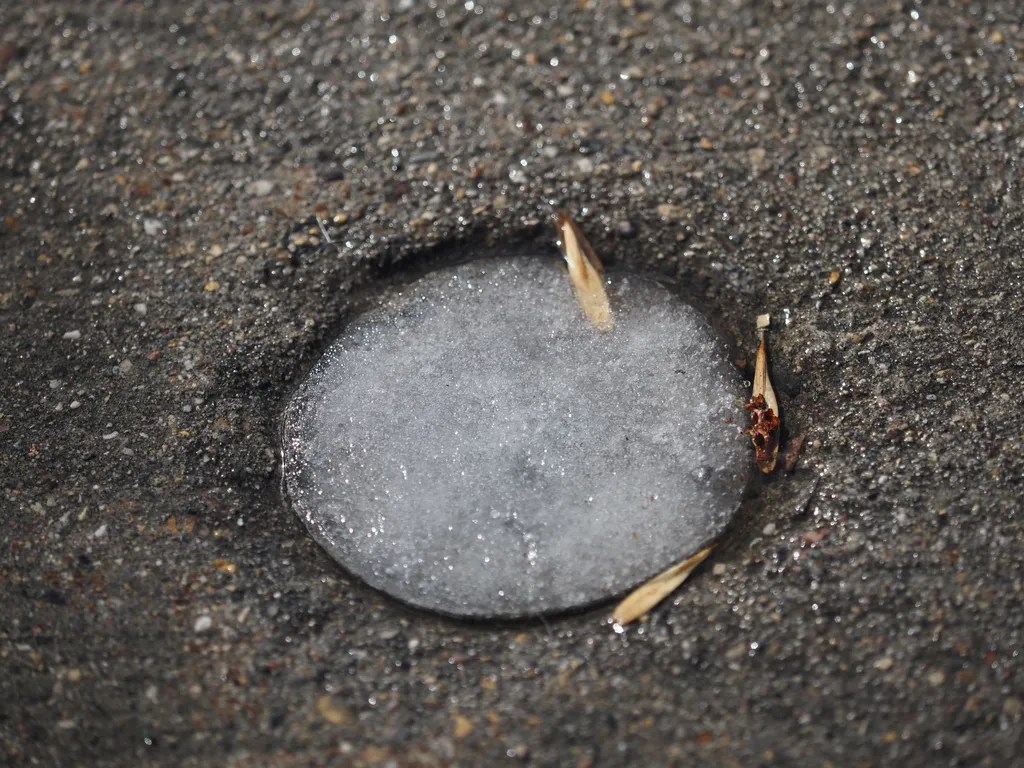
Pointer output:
471, 445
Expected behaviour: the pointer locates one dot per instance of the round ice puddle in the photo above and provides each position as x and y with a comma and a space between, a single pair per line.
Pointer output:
473, 446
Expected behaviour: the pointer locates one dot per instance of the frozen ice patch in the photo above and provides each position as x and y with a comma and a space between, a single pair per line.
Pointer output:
473, 446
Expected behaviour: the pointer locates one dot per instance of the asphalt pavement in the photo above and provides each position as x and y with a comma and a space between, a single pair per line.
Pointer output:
195, 197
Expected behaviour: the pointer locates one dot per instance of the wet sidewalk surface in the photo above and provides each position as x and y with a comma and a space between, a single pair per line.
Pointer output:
169, 177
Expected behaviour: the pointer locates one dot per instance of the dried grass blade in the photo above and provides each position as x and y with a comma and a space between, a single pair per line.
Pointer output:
585, 271
764, 407
644, 598
762, 384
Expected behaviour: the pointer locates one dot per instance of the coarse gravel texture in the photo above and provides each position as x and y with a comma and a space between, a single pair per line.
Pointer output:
853, 168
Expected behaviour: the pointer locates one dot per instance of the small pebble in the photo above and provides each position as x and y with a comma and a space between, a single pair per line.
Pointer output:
884, 663
203, 623
73, 335
624, 227
153, 227
670, 211
100, 532
463, 727
75, 405
331, 712
140, 308
260, 187
814, 537
225, 566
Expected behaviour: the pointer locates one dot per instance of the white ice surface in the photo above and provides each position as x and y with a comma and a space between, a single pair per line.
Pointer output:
473, 446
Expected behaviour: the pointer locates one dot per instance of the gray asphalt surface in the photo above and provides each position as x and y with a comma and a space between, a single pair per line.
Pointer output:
853, 168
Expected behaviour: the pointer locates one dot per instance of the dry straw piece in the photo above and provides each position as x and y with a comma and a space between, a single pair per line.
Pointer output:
645, 597
763, 407
585, 271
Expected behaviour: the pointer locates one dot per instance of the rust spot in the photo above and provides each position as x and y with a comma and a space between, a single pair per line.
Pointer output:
764, 429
